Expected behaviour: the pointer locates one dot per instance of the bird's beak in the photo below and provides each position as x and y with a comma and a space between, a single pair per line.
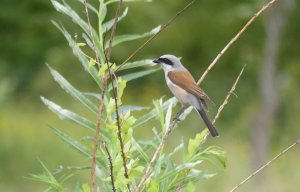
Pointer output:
156, 61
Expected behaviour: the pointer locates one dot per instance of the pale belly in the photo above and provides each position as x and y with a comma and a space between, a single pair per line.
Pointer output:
182, 95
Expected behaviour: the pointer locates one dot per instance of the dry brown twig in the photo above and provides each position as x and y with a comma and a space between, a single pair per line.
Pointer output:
265, 165
233, 40
111, 167
115, 93
100, 108
152, 37
101, 105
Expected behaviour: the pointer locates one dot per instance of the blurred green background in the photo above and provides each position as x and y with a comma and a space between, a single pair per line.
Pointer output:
262, 120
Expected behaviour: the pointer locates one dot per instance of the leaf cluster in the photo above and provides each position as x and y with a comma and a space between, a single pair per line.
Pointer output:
166, 174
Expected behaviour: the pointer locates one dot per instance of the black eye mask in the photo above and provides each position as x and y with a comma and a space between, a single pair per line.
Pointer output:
166, 61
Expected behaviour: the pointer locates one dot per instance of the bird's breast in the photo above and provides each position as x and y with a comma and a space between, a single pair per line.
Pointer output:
181, 94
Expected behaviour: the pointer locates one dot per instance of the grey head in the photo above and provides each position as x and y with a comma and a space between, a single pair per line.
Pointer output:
170, 62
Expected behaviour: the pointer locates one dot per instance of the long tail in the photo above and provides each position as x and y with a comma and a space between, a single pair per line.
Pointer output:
208, 123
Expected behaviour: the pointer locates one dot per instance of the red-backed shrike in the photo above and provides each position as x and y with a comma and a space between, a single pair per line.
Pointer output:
184, 87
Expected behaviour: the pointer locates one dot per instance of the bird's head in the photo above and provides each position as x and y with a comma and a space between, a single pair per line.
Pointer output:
169, 62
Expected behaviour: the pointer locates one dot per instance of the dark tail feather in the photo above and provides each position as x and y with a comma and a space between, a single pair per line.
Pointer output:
208, 123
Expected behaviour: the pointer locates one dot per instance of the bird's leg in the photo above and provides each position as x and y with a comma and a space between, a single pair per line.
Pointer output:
179, 113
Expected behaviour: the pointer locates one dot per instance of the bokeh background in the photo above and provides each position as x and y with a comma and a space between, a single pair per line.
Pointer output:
257, 124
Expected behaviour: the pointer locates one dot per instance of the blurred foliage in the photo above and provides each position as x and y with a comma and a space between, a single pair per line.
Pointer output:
28, 40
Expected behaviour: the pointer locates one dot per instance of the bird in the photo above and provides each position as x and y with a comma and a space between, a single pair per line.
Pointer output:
184, 87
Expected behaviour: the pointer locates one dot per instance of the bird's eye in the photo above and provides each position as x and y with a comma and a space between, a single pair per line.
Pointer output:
166, 61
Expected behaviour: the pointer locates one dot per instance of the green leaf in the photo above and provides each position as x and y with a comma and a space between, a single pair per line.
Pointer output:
135, 75
124, 38
216, 152
129, 108
89, 6
121, 86
193, 176
108, 25
168, 117
81, 44
135, 64
92, 63
102, 12
140, 150
179, 168
65, 114
50, 180
190, 187
114, 1
67, 10
154, 187
72, 90
85, 188
79, 54
72, 142
195, 143
158, 104
145, 118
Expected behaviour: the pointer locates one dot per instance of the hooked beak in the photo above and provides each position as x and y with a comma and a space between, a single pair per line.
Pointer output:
156, 61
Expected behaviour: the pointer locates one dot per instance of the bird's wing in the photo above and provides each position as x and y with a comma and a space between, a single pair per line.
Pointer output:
181, 77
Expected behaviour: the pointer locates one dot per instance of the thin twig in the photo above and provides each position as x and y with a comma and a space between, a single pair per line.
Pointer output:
113, 31
234, 39
159, 148
152, 37
91, 33
228, 96
111, 167
96, 138
115, 93
265, 165
100, 108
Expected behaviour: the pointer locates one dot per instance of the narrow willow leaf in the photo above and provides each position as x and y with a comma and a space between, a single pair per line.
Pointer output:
72, 90
179, 147
65, 114
190, 187
135, 64
168, 117
216, 152
195, 143
186, 113
49, 179
135, 75
154, 186
108, 25
114, 1
193, 176
102, 12
72, 142
79, 54
126, 108
140, 150
67, 10
178, 169
89, 6
124, 38
140, 121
